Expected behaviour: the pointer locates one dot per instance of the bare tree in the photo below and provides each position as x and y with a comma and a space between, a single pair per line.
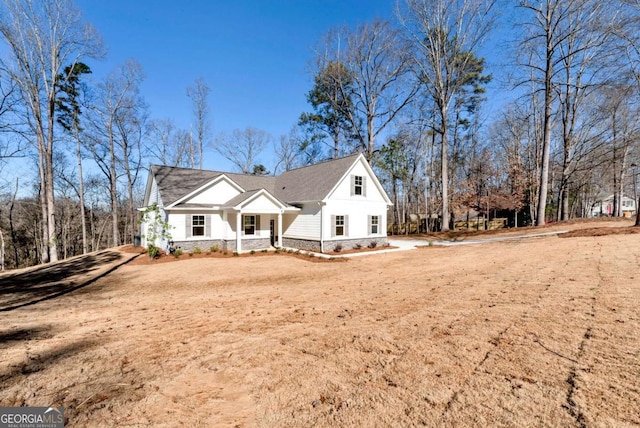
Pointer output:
198, 94
242, 147
131, 127
619, 118
69, 104
287, 151
626, 31
379, 85
545, 32
581, 69
167, 143
42, 36
118, 106
446, 34
515, 150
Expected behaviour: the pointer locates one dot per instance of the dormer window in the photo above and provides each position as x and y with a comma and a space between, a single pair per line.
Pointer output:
358, 185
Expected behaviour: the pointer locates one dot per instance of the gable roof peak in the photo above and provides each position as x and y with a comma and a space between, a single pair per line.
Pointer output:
306, 183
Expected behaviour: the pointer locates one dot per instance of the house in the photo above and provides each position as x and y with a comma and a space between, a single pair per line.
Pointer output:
317, 208
604, 207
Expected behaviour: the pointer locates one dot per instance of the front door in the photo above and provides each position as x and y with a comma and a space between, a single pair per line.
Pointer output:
272, 229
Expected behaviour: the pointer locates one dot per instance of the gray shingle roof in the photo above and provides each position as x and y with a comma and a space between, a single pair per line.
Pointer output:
240, 198
174, 183
313, 182
309, 183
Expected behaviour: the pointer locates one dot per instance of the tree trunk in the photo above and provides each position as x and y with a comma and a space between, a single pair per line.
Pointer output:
445, 172
546, 137
51, 201
544, 170
12, 228
566, 212
44, 246
396, 207
1, 252
113, 191
83, 218
370, 138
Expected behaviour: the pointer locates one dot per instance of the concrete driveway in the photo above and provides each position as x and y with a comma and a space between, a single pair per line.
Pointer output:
407, 244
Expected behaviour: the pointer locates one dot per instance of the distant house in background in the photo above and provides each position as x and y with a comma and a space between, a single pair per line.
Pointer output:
317, 208
604, 207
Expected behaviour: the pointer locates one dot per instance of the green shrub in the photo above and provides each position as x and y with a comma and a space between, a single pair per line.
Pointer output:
177, 253
197, 250
236, 254
263, 251
214, 248
153, 251
252, 252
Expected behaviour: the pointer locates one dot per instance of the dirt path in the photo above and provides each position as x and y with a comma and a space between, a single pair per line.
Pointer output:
459, 336
36, 284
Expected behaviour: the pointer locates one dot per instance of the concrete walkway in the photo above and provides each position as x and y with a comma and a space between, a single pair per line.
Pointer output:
497, 239
412, 244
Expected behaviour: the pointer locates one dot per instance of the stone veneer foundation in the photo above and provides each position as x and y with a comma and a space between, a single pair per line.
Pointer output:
329, 246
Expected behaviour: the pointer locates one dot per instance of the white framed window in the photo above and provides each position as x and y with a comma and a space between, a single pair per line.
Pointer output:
197, 225
358, 185
251, 224
374, 224
339, 225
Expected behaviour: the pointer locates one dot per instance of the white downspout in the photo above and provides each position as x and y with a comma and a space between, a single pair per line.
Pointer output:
280, 229
321, 227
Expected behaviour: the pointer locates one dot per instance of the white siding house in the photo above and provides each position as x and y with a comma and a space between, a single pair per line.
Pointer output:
604, 207
337, 203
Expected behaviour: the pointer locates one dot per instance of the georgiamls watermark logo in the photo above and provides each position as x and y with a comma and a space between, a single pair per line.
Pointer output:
31, 417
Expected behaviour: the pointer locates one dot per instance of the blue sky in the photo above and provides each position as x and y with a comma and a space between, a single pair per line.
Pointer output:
254, 54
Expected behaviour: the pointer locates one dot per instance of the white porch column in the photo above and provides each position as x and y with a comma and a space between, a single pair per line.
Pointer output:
225, 221
322, 227
238, 233
280, 229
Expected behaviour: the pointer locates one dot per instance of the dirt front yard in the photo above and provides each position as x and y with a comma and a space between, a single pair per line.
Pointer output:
536, 332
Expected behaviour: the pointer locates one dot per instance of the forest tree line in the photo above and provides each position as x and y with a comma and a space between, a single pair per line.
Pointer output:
410, 93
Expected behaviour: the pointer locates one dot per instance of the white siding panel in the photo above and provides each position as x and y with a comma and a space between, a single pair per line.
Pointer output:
219, 193
261, 204
358, 212
154, 194
178, 222
343, 190
218, 227
304, 225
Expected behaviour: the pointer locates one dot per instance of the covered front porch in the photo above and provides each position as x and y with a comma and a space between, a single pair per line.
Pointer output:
255, 221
